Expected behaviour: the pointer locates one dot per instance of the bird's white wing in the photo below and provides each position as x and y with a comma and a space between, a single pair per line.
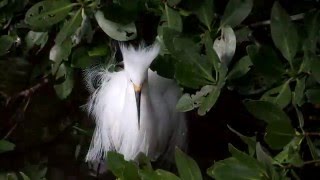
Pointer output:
172, 125
102, 108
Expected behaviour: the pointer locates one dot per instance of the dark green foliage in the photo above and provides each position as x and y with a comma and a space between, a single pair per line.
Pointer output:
208, 47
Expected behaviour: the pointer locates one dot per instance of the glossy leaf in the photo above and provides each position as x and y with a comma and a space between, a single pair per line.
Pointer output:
114, 30
172, 19
69, 27
36, 38
47, 13
313, 96
315, 68
5, 44
265, 61
205, 13
279, 129
209, 101
6, 146
58, 53
283, 32
225, 45
232, 168
312, 24
280, 95
250, 141
188, 102
81, 59
158, 174
240, 68
173, 2
290, 153
236, 11
64, 89
246, 160
121, 168
299, 91
212, 55
187, 167
312, 148
192, 70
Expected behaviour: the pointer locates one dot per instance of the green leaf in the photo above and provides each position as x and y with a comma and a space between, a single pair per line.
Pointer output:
243, 34
232, 168
58, 53
291, 153
171, 19
313, 96
209, 101
267, 161
164, 66
192, 70
36, 38
250, 141
36, 172
165, 175
159, 174
64, 89
298, 94
205, 13
121, 168
246, 159
116, 163
279, 129
47, 13
24, 176
312, 148
3, 3
69, 27
12, 176
312, 25
187, 167
280, 95
212, 56
235, 12
81, 59
101, 50
6, 146
84, 31
265, 60
114, 30
168, 36
5, 44
263, 157
315, 68
240, 68
225, 45
188, 102
283, 32
173, 2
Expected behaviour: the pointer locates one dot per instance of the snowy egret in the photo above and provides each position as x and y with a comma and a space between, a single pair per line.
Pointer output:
134, 109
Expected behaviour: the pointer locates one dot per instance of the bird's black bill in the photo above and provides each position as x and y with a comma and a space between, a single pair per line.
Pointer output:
138, 97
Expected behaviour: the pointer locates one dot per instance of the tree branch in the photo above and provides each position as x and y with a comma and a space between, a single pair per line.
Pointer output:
31, 90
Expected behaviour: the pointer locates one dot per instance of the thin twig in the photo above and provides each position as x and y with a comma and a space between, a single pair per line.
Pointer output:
311, 133
267, 22
31, 90
10, 131
311, 162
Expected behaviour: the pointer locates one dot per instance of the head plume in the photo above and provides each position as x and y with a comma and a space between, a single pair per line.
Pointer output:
137, 60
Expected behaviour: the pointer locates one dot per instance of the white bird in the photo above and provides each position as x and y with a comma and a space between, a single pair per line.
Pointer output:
134, 109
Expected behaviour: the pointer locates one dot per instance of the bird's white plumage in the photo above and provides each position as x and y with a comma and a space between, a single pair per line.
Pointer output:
113, 106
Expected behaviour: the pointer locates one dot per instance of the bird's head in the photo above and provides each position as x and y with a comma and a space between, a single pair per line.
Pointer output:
136, 64
137, 61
